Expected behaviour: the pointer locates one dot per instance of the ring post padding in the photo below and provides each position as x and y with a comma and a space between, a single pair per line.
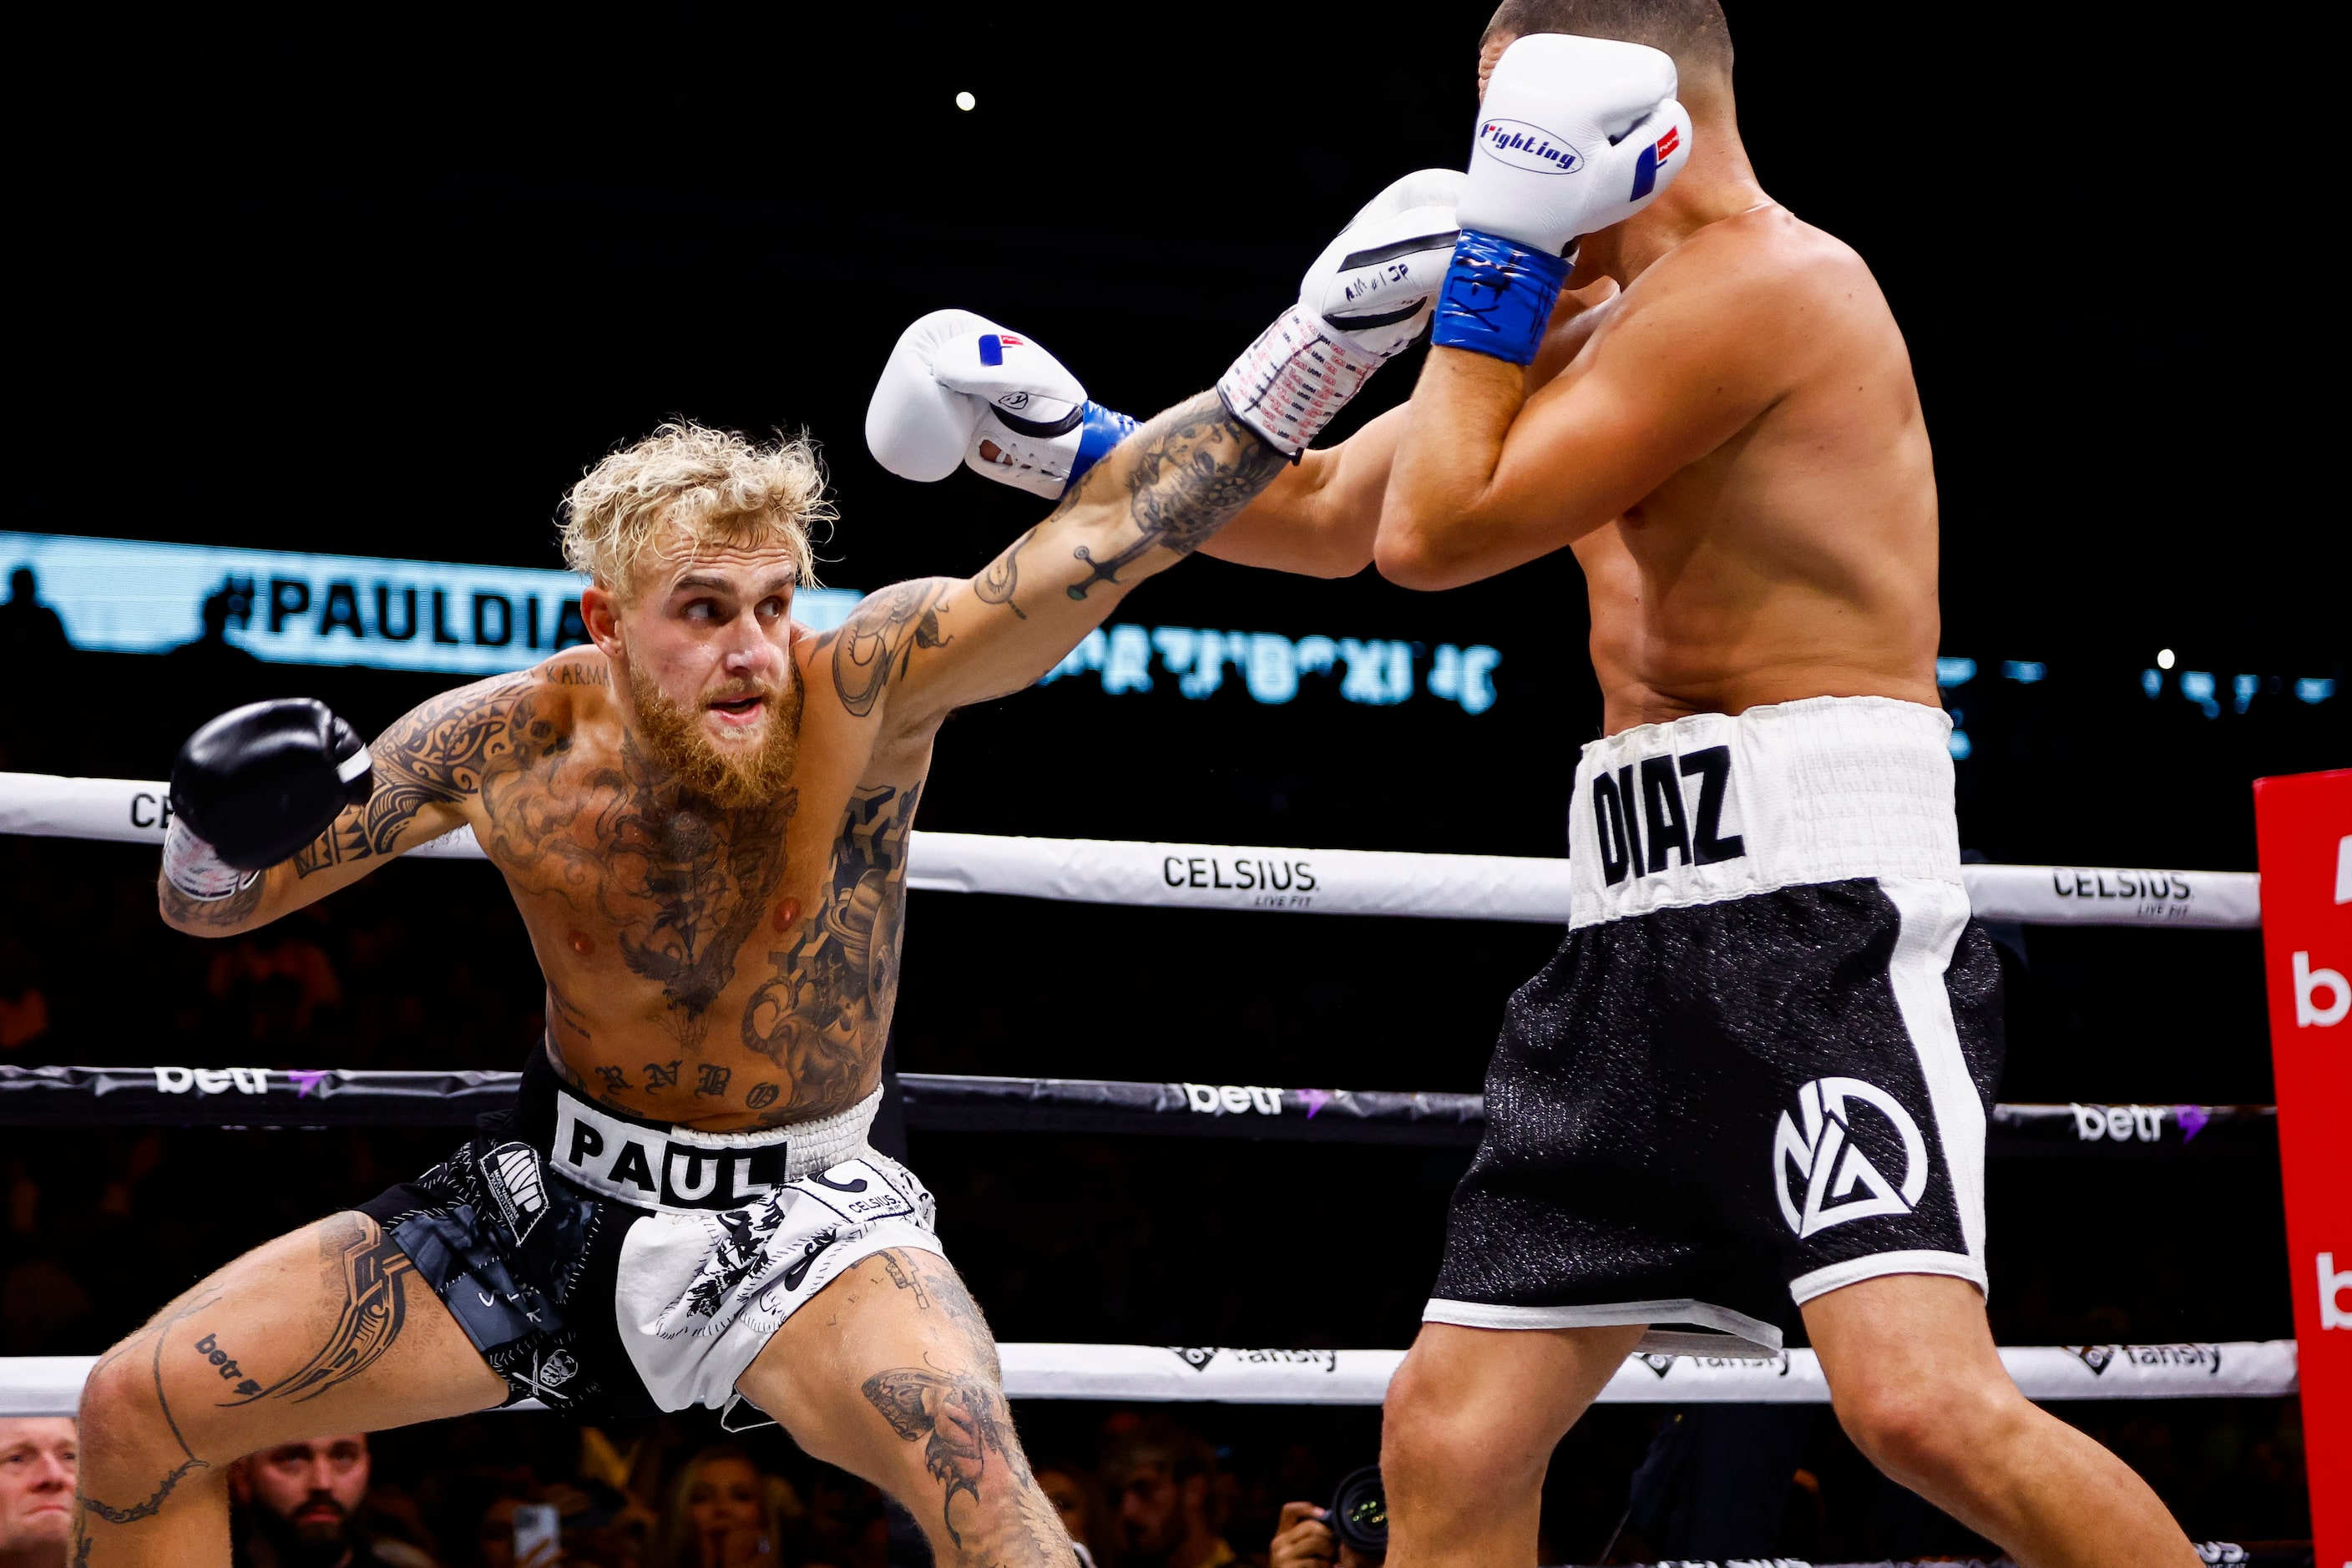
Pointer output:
2262, 1369
1299, 881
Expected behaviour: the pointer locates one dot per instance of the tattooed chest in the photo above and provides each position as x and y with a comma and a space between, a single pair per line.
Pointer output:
702, 965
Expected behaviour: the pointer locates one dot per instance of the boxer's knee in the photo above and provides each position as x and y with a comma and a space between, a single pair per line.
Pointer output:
1442, 1438
125, 1408
1932, 1432
148, 1491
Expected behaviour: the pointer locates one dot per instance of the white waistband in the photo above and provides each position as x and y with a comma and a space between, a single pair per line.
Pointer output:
1719, 805
682, 1168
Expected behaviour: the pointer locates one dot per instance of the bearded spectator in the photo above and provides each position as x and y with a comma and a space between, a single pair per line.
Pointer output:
297, 1501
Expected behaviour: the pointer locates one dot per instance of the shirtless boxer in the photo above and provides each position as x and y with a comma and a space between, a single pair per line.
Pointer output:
703, 818
1756, 1073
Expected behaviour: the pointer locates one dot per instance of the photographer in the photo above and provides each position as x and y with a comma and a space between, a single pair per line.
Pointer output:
1353, 1532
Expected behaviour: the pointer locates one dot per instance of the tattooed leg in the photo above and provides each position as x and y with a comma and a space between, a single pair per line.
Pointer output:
323, 1329
921, 1412
374, 1276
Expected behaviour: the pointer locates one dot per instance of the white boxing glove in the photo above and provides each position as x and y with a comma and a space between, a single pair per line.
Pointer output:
960, 388
1365, 300
1574, 134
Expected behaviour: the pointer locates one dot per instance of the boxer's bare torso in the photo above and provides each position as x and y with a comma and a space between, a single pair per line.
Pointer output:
1797, 558
704, 966
1722, 425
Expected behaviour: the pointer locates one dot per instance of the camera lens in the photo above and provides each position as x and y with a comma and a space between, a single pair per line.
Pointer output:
1360, 1511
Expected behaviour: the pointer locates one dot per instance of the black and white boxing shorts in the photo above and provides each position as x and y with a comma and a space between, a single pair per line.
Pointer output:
1759, 1067
614, 1267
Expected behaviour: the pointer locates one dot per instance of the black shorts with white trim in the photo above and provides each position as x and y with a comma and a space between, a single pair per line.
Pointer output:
1705, 1116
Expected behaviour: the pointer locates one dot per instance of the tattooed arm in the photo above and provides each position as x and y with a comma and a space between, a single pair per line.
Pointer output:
428, 775
1319, 517
925, 647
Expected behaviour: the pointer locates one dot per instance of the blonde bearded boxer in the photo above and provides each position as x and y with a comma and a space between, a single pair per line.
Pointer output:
704, 819
1755, 1076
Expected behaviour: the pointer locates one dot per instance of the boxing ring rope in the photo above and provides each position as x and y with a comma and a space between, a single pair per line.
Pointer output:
164, 1096
266, 1097
1220, 1374
1323, 882
1232, 876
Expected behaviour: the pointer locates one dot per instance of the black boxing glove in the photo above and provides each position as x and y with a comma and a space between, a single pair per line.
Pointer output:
254, 785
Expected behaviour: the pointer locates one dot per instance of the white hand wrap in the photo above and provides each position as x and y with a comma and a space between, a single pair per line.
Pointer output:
1289, 383
192, 866
1364, 300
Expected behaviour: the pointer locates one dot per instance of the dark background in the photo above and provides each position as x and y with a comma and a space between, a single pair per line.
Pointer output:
384, 283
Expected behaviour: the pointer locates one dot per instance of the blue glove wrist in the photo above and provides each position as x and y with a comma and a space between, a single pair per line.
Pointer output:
1099, 429
1497, 298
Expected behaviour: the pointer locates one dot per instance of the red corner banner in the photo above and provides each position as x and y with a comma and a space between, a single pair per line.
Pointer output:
2303, 825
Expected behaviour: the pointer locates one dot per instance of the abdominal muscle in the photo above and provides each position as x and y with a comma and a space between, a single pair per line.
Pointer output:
1727, 633
631, 1060
676, 1053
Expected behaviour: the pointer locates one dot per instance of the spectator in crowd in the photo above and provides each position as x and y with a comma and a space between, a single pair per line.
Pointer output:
1077, 1496
296, 1503
847, 1525
208, 674
723, 1513
24, 1006
276, 981
1163, 1479
38, 1455
28, 629
212, 652
40, 1300
494, 1543
1715, 1481
37, 723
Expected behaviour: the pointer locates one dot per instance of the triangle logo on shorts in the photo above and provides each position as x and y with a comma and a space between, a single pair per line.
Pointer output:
1823, 1156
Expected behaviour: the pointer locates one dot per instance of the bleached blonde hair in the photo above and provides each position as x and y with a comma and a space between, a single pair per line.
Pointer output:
714, 487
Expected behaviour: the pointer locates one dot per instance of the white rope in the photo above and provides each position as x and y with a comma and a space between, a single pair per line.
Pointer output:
2243, 1370
51, 1386
1229, 877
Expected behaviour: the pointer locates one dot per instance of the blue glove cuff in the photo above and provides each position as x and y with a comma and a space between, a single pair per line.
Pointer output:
1099, 429
1497, 298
